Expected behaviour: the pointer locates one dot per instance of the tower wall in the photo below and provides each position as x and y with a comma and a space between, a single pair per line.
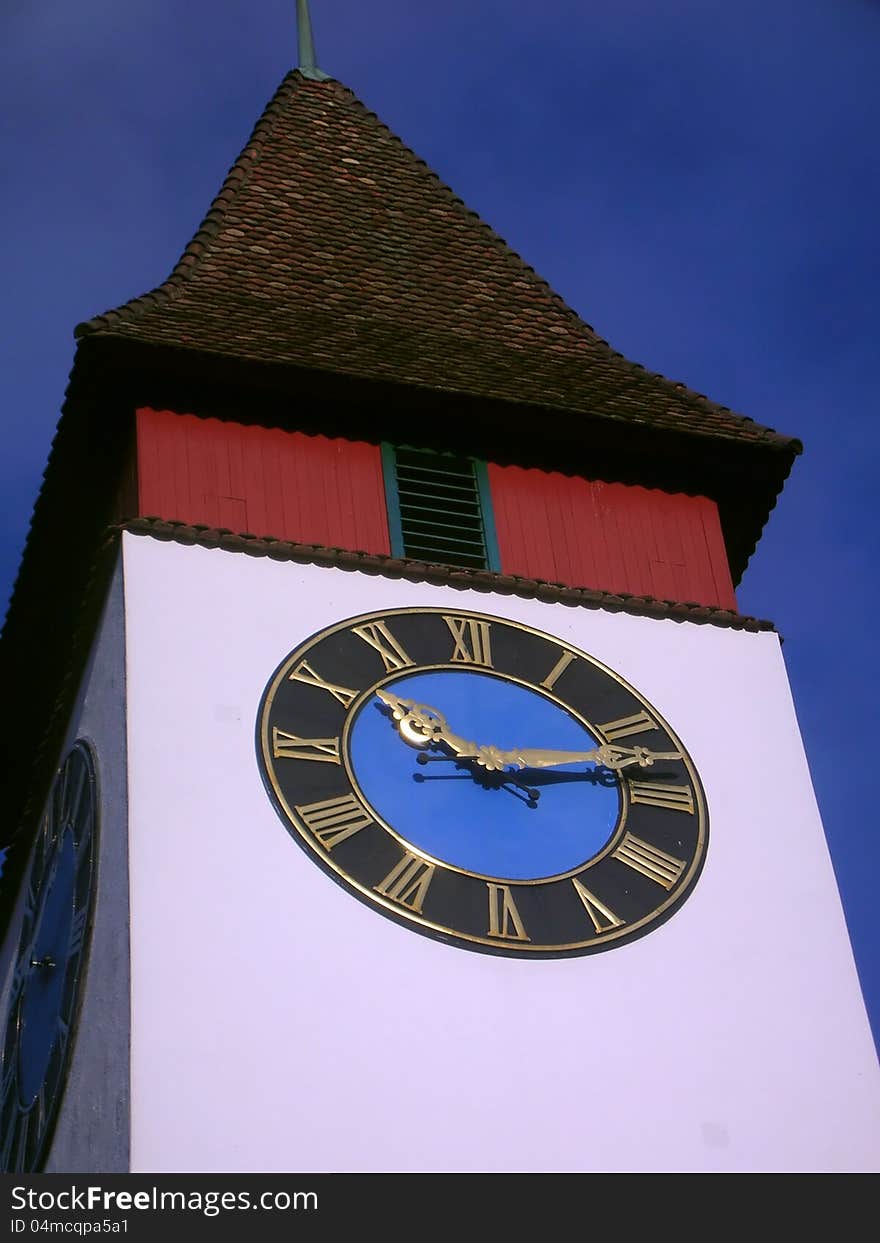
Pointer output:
92, 1128
280, 1024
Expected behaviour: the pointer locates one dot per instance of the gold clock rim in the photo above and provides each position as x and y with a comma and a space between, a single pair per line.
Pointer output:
403, 914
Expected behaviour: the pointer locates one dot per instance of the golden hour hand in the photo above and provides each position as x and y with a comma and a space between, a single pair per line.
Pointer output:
421, 726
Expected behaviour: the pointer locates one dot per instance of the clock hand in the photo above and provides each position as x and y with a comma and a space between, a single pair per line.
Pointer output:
608, 755
421, 726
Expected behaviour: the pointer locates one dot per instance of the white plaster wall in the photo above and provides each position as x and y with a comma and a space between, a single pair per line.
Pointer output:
278, 1024
92, 1132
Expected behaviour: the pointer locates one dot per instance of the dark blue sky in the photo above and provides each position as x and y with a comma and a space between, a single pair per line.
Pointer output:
699, 179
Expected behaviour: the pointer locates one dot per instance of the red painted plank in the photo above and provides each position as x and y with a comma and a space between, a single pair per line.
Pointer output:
270, 449
317, 490
147, 454
610, 536
268, 482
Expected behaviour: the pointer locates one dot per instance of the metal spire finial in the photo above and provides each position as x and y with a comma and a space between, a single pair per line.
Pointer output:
307, 64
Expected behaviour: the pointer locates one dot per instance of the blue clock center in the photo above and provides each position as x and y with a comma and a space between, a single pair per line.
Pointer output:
474, 820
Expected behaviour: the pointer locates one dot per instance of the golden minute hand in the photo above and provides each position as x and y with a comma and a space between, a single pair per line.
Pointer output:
608, 755
420, 725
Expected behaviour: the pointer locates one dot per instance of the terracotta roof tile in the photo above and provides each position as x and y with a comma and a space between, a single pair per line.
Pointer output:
332, 246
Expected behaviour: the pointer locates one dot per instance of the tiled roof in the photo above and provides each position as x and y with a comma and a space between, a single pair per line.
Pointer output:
332, 246
450, 576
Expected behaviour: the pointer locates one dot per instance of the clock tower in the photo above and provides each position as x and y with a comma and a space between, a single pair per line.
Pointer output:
397, 784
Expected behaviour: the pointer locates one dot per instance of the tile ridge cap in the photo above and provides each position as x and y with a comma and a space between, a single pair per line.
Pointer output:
406, 567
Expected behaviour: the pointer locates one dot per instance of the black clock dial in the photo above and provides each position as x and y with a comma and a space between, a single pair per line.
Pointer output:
49, 966
482, 782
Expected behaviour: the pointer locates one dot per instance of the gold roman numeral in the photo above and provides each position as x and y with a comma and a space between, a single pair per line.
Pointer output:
332, 820
602, 916
305, 673
652, 862
674, 798
288, 747
380, 637
407, 882
504, 919
639, 723
471, 640
558, 669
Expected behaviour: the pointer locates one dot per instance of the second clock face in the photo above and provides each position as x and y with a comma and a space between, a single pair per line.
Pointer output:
483, 782
49, 968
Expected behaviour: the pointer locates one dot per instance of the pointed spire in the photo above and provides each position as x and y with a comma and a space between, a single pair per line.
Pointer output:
357, 261
307, 64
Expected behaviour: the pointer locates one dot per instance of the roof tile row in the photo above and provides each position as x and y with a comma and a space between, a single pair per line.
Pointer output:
331, 245
424, 571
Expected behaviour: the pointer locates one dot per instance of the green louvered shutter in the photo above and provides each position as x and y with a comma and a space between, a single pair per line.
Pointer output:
439, 508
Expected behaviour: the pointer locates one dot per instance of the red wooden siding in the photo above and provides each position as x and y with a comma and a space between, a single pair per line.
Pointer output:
261, 481
610, 536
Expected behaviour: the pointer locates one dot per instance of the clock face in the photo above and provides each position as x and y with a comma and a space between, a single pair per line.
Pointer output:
482, 782
49, 966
